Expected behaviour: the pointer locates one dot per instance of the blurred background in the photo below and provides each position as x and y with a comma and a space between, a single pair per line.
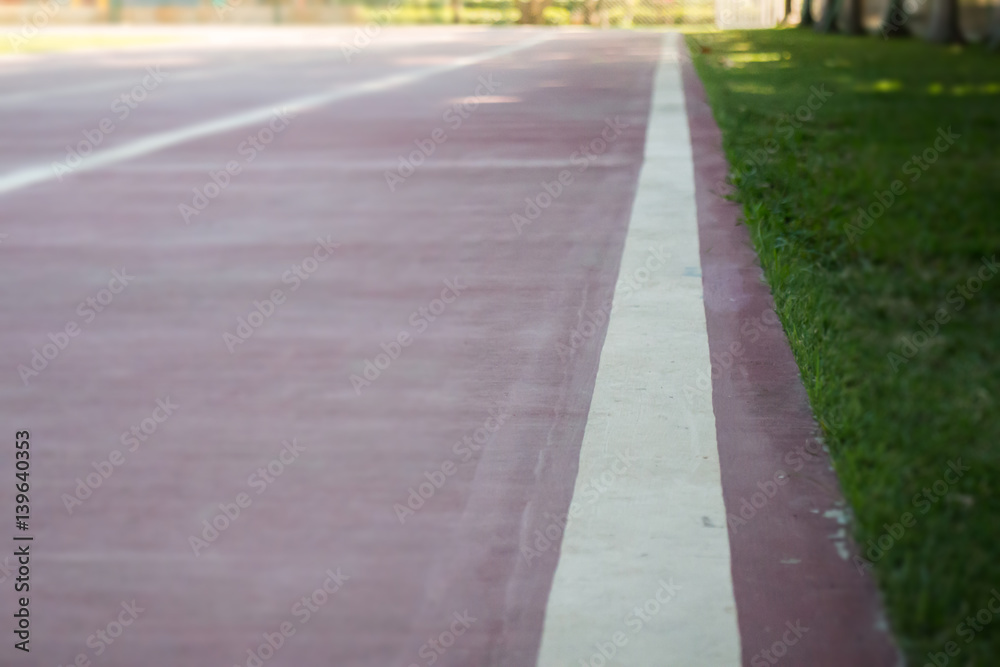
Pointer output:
973, 16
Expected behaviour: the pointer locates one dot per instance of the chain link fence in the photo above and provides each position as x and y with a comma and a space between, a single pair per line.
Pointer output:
598, 13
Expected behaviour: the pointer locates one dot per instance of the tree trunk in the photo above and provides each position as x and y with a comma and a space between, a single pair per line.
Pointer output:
944, 23
828, 22
852, 22
531, 11
993, 37
807, 16
787, 13
456, 10
603, 14
894, 20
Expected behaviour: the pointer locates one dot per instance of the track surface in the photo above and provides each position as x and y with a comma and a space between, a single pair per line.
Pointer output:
318, 353
493, 349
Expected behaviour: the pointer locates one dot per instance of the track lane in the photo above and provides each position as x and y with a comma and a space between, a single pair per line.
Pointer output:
494, 347
270, 78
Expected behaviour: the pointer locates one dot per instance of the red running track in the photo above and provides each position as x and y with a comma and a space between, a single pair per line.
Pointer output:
493, 348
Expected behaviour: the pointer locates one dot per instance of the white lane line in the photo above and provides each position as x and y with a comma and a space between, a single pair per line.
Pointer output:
27, 176
124, 85
660, 520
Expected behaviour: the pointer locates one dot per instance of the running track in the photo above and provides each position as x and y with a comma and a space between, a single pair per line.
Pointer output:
510, 403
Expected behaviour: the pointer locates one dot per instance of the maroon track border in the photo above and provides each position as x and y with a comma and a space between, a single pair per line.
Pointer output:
785, 565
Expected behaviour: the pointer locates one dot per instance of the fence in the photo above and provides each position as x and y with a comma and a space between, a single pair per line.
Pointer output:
749, 13
602, 13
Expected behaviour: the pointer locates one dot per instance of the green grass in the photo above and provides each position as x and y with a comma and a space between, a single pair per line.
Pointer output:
846, 306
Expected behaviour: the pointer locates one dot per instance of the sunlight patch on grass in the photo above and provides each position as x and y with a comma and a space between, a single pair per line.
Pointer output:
880, 86
757, 57
753, 88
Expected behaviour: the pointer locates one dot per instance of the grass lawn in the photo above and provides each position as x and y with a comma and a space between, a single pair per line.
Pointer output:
899, 351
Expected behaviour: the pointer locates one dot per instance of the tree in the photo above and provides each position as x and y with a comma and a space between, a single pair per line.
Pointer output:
852, 22
456, 10
894, 20
807, 16
531, 11
944, 23
993, 37
828, 21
